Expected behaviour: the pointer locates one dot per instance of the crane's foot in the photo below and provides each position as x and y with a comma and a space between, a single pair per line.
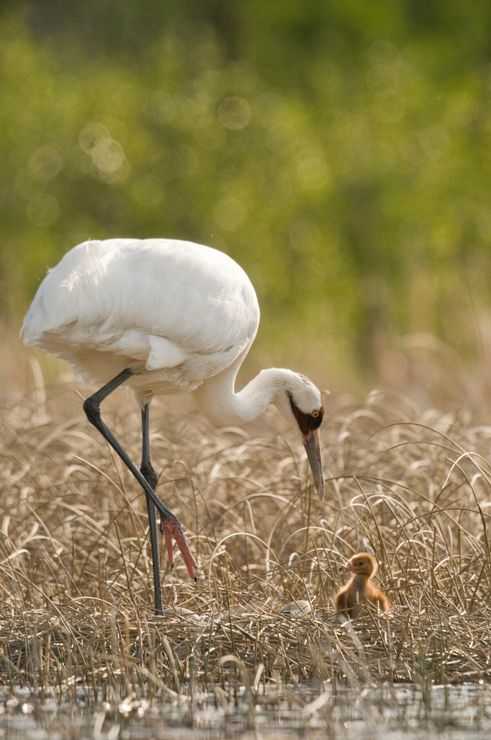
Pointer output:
172, 530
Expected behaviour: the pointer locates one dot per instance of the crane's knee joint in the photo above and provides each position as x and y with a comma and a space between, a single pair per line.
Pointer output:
149, 474
92, 409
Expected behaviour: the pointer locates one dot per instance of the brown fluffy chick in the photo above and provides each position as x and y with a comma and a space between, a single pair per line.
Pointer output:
359, 590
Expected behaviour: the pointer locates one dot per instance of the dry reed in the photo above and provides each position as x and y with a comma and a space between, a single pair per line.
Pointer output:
76, 603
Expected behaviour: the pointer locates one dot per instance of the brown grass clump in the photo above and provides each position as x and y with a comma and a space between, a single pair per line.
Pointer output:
76, 600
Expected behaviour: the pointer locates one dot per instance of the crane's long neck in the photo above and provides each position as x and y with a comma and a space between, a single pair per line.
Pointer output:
225, 407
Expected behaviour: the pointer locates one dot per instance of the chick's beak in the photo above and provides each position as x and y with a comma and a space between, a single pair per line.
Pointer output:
312, 447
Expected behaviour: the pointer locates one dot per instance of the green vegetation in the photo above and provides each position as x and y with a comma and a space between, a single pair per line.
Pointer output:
338, 150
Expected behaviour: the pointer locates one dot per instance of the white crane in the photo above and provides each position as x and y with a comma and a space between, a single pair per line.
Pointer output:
165, 316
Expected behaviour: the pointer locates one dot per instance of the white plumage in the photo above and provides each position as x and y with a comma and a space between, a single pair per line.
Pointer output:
165, 316
179, 311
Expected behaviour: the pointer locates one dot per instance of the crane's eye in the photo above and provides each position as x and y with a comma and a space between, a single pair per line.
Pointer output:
315, 414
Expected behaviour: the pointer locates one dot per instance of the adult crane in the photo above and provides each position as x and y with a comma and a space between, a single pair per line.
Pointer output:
165, 316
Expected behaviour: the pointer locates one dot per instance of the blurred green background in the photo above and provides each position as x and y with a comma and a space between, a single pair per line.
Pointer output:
339, 150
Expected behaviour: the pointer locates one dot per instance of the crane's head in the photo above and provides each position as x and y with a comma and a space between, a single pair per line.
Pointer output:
362, 564
303, 401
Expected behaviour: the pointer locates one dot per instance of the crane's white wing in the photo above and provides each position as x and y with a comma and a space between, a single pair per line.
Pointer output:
149, 304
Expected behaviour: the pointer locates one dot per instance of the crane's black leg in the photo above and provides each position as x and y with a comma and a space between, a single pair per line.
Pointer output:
151, 476
172, 528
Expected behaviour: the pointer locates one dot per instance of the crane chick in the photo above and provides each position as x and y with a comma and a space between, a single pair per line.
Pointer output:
354, 595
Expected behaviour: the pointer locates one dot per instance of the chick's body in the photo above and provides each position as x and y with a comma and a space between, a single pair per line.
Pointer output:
354, 595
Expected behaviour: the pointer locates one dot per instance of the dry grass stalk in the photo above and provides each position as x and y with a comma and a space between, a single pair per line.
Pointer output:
75, 571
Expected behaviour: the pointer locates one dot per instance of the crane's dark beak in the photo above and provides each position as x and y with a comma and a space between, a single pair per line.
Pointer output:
313, 449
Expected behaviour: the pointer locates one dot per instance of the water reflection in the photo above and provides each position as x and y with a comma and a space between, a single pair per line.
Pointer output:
406, 711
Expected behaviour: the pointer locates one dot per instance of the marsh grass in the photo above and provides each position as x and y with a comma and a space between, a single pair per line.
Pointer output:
76, 617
